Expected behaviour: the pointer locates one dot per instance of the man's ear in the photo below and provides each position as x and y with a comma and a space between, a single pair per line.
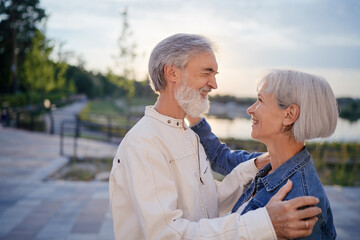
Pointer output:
171, 73
291, 114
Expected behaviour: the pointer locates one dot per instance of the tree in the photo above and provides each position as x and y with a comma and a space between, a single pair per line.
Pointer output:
127, 54
20, 20
126, 86
85, 82
38, 72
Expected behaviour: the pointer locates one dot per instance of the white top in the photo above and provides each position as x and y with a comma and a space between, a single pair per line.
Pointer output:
161, 187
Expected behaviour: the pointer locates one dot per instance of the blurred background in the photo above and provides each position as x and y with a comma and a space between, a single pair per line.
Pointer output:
57, 49
76, 71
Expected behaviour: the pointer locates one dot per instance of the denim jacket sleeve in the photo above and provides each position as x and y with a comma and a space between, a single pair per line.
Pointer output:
222, 159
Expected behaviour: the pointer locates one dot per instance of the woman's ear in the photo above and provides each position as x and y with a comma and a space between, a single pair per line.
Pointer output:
291, 114
171, 73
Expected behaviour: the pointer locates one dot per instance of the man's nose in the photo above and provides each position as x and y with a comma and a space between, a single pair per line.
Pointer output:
212, 83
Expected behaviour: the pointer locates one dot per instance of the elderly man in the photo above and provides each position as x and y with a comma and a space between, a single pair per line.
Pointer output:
161, 186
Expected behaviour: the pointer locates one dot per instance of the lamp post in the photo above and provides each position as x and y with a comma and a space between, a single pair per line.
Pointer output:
49, 107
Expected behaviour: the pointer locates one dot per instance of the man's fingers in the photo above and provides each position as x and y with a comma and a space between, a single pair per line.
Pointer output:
311, 222
301, 228
309, 212
303, 201
284, 190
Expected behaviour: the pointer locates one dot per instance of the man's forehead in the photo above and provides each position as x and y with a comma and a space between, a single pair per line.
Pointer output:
205, 61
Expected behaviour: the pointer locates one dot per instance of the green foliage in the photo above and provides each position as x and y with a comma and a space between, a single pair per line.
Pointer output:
31, 98
99, 85
20, 20
38, 72
104, 116
126, 86
14, 100
61, 84
143, 90
349, 108
24, 45
337, 163
85, 82
103, 107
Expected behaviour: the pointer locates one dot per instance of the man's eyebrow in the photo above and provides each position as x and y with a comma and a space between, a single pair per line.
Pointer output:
210, 70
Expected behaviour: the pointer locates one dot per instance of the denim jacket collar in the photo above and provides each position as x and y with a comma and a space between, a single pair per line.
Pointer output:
282, 173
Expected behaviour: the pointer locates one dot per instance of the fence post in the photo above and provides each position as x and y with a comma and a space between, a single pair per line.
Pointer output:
76, 135
109, 129
51, 122
62, 138
17, 119
31, 121
7, 116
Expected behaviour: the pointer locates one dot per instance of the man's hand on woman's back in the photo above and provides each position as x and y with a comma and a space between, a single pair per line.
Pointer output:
288, 220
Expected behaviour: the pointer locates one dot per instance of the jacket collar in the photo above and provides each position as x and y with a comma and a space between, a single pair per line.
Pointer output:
287, 169
172, 122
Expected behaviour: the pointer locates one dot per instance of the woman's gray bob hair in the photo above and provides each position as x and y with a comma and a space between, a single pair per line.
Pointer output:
314, 96
175, 50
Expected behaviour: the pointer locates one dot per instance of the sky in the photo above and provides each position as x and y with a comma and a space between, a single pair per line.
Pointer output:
321, 37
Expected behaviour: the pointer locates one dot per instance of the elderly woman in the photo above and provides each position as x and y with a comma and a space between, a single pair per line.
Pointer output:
291, 107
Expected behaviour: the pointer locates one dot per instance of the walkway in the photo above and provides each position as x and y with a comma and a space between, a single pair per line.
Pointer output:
67, 113
31, 208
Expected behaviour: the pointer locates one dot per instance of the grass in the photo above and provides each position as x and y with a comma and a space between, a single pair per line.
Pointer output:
103, 107
143, 101
83, 169
103, 111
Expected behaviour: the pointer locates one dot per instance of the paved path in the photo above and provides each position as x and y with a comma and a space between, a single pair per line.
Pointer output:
31, 208
67, 113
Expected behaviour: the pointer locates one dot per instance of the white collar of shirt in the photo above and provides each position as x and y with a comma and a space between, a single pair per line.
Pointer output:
172, 122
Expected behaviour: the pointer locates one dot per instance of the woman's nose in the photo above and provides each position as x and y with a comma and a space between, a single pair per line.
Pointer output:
250, 109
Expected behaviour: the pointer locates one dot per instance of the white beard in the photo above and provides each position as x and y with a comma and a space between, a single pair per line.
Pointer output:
191, 101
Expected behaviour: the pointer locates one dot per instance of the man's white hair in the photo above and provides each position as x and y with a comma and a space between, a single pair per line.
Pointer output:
175, 50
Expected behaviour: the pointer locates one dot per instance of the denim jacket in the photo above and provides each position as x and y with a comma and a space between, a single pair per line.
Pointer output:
300, 169
222, 159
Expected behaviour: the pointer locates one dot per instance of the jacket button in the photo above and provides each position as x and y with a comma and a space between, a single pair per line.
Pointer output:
118, 160
169, 121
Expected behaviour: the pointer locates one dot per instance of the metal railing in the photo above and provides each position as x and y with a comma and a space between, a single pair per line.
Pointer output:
25, 119
75, 129
69, 126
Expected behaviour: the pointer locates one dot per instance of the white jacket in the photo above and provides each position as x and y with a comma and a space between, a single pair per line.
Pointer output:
161, 187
